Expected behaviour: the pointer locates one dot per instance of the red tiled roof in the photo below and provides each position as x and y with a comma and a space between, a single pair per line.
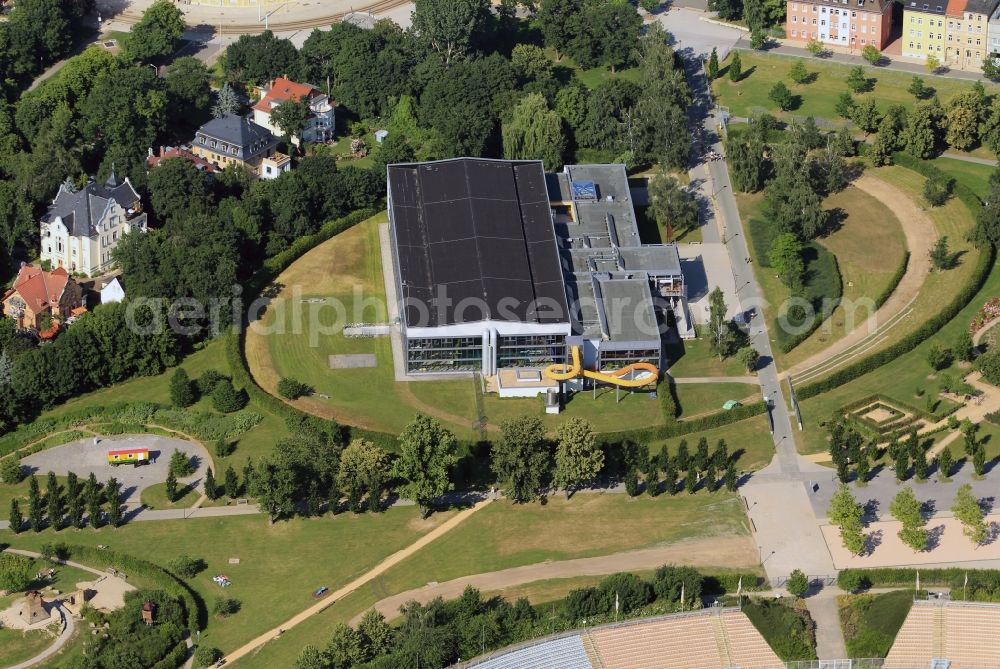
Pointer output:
282, 90
40, 289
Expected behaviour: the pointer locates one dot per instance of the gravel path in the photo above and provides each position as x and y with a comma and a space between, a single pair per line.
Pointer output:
918, 228
734, 552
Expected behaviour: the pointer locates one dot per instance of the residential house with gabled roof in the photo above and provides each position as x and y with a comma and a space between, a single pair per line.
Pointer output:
320, 125
83, 226
236, 140
36, 293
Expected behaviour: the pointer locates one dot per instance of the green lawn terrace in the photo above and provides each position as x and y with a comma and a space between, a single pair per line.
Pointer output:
818, 98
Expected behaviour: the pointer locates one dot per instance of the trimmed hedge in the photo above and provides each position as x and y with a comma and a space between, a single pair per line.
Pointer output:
894, 282
683, 427
175, 658
194, 606
982, 269
984, 584
933, 324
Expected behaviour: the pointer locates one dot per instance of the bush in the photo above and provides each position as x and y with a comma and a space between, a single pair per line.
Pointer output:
798, 583
226, 606
57, 551
291, 389
10, 470
224, 448
583, 603
852, 580
631, 592
182, 390
937, 190
186, 566
207, 381
939, 357
227, 399
206, 656
180, 464
786, 630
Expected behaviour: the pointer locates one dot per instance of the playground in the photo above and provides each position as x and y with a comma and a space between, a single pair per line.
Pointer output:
90, 456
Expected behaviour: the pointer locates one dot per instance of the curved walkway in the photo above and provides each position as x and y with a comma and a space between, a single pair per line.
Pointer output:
69, 626
360, 581
981, 332
918, 228
735, 552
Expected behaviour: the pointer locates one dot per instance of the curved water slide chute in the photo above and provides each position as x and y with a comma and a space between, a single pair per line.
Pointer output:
636, 375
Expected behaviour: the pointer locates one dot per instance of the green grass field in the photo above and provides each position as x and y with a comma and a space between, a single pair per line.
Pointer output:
762, 71
868, 256
694, 357
972, 175
16, 646
871, 622
280, 565
751, 436
155, 497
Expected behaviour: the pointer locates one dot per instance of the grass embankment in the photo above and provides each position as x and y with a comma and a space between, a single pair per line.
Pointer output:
787, 628
280, 565
871, 622
819, 97
868, 256
504, 535
904, 377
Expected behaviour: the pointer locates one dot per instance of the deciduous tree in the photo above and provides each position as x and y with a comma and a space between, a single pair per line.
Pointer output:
157, 34
785, 256
521, 458
534, 131
426, 457
578, 458
673, 206
907, 509
968, 511
448, 26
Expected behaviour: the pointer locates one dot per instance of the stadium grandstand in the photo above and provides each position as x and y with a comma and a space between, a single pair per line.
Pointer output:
948, 635
715, 638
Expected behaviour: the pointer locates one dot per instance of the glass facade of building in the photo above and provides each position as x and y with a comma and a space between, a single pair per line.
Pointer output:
618, 359
444, 354
530, 350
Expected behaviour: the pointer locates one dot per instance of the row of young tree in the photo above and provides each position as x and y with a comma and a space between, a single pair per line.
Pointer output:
849, 516
848, 447
440, 632
76, 505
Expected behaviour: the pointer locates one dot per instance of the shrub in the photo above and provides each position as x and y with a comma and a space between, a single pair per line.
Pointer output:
226, 606
583, 603
852, 580
10, 470
206, 656
798, 583
937, 190
939, 357
227, 399
291, 389
57, 551
186, 566
207, 381
180, 464
224, 448
785, 629
182, 390
630, 591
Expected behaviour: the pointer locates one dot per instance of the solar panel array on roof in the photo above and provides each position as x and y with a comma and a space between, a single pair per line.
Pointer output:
477, 231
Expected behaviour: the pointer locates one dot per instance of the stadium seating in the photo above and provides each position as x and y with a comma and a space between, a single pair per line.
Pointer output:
562, 653
964, 633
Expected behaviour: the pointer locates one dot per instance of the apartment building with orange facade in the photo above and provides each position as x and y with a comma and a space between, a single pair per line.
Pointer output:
847, 23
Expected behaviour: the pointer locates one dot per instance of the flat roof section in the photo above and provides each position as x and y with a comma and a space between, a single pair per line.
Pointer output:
626, 307
476, 230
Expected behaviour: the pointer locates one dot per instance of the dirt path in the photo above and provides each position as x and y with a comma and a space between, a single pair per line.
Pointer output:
736, 552
918, 228
360, 581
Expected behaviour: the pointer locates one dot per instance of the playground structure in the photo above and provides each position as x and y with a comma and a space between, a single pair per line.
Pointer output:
128, 456
635, 375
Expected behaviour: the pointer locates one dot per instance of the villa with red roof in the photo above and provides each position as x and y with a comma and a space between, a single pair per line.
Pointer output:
36, 292
319, 127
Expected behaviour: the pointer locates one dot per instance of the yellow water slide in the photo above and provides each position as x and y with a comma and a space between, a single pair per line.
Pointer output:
559, 372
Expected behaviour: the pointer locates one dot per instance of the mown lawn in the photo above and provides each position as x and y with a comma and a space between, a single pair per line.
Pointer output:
869, 246
750, 439
280, 565
16, 646
974, 176
818, 98
694, 357
871, 622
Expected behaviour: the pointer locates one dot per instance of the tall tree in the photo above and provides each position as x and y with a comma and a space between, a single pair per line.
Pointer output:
16, 518
92, 495
157, 34
907, 509
556, 19
113, 493
232, 483
968, 511
36, 513
257, 59
364, 470
785, 256
919, 136
846, 513
965, 114
578, 457
226, 102
449, 26
720, 331
291, 117
520, 459
674, 207
210, 486
53, 499
534, 131
274, 489
181, 388
426, 457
